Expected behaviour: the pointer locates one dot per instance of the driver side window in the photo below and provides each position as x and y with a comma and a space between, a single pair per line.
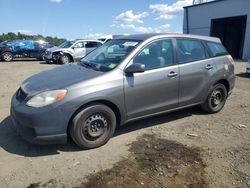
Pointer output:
157, 54
79, 45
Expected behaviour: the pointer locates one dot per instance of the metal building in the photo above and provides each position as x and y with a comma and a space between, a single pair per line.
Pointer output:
227, 19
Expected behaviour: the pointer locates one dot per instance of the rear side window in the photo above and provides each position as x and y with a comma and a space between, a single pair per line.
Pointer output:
216, 49
190, 50
91, 45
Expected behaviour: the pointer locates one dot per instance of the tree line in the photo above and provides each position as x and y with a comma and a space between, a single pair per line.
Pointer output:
13, 36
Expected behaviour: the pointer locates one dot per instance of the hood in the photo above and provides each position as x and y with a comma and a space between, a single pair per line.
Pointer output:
57, 49
58, 78
53, 49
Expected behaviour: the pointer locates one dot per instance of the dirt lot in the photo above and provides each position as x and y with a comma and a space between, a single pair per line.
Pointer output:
182, 149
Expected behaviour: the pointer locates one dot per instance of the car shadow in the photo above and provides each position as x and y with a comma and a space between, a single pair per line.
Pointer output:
243, 75
11, 142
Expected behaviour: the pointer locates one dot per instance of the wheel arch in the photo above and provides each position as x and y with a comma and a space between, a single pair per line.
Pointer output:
108, 103
225, 83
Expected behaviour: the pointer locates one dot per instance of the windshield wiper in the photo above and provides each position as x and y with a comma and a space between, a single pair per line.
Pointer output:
91, 65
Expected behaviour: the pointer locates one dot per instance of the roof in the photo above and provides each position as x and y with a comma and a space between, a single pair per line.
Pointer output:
201, 4
143, 37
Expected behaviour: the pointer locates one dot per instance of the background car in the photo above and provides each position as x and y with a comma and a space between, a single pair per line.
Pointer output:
107, 38
23, 49
71, 51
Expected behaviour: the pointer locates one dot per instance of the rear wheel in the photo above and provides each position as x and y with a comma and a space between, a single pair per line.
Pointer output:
216, 99
93, 126
7, 56
64, 59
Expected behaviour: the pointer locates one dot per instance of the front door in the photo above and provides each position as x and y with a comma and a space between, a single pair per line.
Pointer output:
156, 89
79, 50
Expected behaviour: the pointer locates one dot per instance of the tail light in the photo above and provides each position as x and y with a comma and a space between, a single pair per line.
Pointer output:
230, 59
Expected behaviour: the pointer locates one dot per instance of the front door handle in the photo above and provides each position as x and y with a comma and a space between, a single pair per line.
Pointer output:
209, 67
172, 74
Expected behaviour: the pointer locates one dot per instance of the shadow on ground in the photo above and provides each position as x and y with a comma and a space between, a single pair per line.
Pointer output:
11, 142
243, 75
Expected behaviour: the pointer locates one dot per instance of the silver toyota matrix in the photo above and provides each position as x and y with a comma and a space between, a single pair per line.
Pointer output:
123, 80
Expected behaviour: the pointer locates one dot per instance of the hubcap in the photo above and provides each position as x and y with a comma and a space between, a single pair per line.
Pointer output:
65, 59
95, 127
7, 57
217, 97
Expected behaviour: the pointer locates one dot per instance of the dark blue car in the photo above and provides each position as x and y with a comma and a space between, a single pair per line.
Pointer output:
23, 49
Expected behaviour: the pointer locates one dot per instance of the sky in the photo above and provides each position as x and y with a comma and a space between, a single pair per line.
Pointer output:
73, 19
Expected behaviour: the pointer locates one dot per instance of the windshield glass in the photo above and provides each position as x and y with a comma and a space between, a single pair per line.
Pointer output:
67, 44
7, 42
109, 55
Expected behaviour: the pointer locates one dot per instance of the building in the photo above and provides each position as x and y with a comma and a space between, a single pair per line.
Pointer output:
227, 19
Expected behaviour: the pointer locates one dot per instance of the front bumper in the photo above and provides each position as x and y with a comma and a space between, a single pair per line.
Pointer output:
46, 125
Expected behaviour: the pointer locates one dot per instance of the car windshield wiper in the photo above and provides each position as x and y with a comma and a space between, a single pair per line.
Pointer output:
91, 65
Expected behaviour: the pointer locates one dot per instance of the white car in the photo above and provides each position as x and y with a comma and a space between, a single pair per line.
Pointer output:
107, 38
70, 51
248, 66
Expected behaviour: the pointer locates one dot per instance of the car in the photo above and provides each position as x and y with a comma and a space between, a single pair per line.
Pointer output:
23, 49
248, 67
71, 51
123, 80
107, 38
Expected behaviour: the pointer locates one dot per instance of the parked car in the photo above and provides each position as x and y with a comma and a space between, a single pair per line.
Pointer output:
123, 80
23, 49
71, 51
107, 38
248, 67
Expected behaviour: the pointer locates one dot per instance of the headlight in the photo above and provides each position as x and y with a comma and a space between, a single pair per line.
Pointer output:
46, 98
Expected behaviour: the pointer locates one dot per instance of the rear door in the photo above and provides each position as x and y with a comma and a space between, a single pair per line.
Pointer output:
156, 89
90, 46
196, 71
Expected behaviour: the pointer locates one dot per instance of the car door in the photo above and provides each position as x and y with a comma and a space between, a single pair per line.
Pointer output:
90, 46
196, 71
79, 50
156, 89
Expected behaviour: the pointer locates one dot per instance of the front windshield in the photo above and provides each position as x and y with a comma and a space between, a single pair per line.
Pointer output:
109, 55
66, 44
7, 42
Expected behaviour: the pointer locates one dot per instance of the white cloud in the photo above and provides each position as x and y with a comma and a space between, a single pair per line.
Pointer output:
56, 1
129, 17
93, 36
166, 11
142, 29
24, 31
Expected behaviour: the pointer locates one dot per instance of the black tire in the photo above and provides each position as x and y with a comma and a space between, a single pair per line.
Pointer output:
7, 56
216, 99
64, 59
93, 126
41, 57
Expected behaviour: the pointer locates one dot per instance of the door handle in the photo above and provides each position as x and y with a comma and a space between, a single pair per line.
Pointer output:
209, 67
172, 74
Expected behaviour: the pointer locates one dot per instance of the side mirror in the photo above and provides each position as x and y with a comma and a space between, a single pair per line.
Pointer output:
135, 68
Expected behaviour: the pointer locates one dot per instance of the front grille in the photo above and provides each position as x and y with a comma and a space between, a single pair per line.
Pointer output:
21, 95
47, 53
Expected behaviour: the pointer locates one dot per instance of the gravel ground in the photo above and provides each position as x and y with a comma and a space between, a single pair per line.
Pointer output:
187, 148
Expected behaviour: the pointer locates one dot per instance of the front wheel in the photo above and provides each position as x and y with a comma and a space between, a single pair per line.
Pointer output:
93, 126
64, 59
7, 56
216, 99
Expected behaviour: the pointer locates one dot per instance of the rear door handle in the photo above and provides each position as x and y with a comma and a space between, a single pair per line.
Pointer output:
172, 74
209, 67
